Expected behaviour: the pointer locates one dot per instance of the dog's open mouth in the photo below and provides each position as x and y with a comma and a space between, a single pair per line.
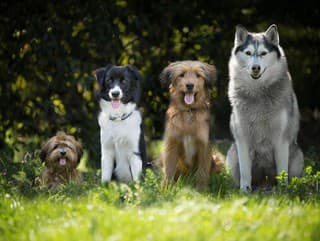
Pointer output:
257, 76
189, 97
62, 161
115, 103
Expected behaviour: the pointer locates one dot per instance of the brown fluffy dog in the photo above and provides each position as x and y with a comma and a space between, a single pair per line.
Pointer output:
186, 138
61, 154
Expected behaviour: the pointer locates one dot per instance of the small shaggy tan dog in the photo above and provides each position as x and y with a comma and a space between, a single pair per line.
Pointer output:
186, 138
61, 154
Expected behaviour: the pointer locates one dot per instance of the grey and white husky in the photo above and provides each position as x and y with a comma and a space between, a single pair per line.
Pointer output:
265, 115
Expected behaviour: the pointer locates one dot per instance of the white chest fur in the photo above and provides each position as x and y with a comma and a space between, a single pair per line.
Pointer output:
119, 136
189, 148
116, 130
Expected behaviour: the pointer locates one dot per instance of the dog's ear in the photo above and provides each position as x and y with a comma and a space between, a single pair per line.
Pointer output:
100, 73
241, 35
137, 90
44, 150
166, 75
210, 74
77, 145
272, 34
134, 71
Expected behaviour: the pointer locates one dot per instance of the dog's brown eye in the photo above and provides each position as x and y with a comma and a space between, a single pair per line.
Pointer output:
198, 75
181, 75
123, 81
69, 147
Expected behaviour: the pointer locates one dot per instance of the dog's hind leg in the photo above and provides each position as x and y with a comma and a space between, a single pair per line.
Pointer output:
281, 154
296, 161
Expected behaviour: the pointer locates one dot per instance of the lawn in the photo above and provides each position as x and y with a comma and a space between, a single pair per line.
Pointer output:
145, 211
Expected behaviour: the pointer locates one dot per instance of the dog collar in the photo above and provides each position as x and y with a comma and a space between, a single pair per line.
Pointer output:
120, 118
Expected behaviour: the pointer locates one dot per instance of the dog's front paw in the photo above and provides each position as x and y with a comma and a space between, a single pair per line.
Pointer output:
245, 188
105, 180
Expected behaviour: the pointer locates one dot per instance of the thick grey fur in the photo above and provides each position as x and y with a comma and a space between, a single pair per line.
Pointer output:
265, 115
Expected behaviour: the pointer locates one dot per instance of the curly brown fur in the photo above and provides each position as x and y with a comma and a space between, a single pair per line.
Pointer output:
61, 155
186, 138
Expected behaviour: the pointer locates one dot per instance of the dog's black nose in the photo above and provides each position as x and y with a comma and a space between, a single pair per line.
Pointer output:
63, 152
189, 86
115, 94
256, 68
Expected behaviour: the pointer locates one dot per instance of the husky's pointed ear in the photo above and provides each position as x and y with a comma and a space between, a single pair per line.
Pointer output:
100, 73
166, 75
272, 34
210, 74
241, 35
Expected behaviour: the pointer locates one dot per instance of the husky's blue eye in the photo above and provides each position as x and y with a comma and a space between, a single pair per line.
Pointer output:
248, 53
263, 53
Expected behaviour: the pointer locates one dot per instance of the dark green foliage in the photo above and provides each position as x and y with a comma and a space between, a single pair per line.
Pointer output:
19, 177
305, 188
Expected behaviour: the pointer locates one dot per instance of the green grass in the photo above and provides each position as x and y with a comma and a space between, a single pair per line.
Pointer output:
145, 211
194, 217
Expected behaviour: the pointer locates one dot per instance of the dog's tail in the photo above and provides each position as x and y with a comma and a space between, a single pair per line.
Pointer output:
218, 162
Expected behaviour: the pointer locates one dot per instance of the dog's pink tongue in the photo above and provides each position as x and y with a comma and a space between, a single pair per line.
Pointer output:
189, 99
62, 161
115, 104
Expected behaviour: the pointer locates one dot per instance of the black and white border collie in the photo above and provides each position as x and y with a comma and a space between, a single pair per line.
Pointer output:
123, 151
